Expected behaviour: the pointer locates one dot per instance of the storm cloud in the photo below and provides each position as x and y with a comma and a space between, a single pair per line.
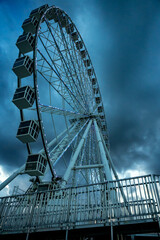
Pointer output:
123, 40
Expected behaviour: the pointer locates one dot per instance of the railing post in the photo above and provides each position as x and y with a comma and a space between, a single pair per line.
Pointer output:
66, 234
31, 215
156, 190
2, 208
69, 206
111, 230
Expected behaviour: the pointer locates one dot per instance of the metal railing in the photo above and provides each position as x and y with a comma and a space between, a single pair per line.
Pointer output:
94, 204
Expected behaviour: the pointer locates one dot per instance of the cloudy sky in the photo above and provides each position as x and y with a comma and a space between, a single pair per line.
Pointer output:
123, 40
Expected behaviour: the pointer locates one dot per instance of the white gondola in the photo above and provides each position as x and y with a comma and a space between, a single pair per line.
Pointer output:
38, 11
51, 14
103, 128
63, 21
24, 97
100, 109
87, 62
90, 71
70, 28
28, 131
35, 165
79, 45
25, 43
95, 90
23, 67
30, 25
74, 36
94, 81
58, 15
102, 117
83, 53
54, 14
98, 100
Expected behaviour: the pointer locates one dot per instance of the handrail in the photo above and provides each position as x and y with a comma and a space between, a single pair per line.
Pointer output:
83, 205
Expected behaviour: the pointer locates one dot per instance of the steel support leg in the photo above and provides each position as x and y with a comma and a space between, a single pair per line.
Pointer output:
111, 230
102, 153
75, 156
66, 234
13, 176
105, 162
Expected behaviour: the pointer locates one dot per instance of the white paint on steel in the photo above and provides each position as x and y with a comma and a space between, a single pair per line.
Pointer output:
75, 155
102, 152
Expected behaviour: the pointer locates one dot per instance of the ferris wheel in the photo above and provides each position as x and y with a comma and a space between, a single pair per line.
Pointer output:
62, 118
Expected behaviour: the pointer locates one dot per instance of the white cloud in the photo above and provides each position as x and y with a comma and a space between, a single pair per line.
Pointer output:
138, 170
3, 176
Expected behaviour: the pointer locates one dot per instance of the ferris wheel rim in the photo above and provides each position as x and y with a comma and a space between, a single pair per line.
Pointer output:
37, 99
35, 74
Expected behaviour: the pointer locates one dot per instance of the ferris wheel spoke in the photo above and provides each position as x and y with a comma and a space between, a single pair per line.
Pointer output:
69, 64
66, 66
71, 61
79, 61
57, 152
69, 92
58, 111
42, 35
58, 137
78, 69
82, 74
82, 71
54, 87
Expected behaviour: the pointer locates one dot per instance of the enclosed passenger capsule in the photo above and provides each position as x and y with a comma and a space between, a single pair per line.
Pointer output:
58, 15
103, 128
98, 100
83, 53
102, 117
95, 90
90, 71
23, 67
93, 81
30, 25
28, 131
74, 36
63, 21
24, 97
70, 28
87, 62
79, 45
54, 14
25, 43
36, 165
51, 14
38, 11
100, 109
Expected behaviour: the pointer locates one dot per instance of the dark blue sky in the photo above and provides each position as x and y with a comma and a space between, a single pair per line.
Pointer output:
123, 40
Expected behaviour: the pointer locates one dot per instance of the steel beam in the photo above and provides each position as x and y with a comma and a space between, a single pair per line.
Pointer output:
102, 153
114, 172
88, 166
13, 176
51, 143
75, 155
58, 111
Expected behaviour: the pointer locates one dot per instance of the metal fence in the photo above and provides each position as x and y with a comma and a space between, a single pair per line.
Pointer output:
119, 201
